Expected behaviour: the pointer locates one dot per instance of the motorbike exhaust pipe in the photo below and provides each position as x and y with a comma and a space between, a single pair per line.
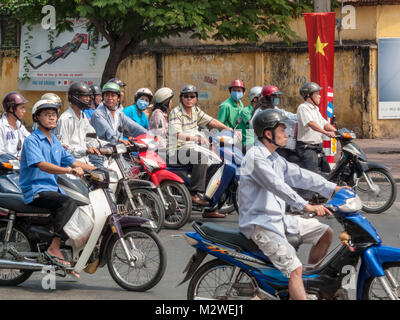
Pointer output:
22, 265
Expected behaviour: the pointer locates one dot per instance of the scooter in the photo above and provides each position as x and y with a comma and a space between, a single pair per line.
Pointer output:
242, 271
100, 233
372, 180
170, 187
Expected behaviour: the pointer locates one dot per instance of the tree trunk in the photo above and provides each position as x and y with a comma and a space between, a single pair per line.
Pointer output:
110, 69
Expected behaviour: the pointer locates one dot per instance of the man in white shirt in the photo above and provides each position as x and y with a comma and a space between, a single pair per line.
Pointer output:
311, 128
73, 125
12, 131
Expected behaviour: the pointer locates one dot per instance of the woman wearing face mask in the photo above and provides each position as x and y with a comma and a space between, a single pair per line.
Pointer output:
136, 112
230, 110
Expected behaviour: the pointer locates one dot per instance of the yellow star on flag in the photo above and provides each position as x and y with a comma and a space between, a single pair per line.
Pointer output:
319, 46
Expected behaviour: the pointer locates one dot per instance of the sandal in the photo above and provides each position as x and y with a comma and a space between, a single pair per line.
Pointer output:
59, 263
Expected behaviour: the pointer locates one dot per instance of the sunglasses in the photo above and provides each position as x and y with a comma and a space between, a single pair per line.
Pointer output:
186, 96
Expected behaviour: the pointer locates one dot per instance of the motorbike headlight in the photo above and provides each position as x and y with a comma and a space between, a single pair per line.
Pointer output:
113, 176
351, 205
15, 164
98, 176
121, 148
150, 164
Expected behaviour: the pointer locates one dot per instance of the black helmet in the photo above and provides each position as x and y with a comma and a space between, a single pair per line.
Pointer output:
75, 91
95, 89
118, 82
189, 88
308, 89
268, 119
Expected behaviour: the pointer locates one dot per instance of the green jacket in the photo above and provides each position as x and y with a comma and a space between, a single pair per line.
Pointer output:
228, 112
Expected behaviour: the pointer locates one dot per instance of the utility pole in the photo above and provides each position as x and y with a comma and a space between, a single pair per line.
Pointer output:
322, 5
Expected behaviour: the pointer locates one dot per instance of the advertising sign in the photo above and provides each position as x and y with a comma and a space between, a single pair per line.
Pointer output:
389, 78
47, 65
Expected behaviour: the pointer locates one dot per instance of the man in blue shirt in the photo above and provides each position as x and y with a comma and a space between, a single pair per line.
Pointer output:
266, 183
42, 159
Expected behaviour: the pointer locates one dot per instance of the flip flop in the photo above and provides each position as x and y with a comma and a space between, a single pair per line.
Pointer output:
53, 260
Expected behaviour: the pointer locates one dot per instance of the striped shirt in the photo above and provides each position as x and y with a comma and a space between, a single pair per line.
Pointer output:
179, 121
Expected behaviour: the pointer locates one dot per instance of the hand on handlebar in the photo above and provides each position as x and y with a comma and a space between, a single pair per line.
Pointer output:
318, 210
331, 134
78, 172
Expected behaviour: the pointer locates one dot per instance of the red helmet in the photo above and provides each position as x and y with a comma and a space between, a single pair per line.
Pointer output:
13, 99
237, 83
270, 90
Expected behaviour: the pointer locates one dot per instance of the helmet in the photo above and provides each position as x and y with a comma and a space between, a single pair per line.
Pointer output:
162, 95
270, 90
118, 82
111, 87
237, 83
143, 92
13, 99
52, 96
95, 89
308, 89
76, 90
189, 88
254, 92
43, 104
268, 119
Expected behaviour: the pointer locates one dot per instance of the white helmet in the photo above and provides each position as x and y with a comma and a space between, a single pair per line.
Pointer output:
254, 92
163, 94
143, 92
51, 96
44, 104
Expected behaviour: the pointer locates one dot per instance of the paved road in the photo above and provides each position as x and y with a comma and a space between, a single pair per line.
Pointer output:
101, 286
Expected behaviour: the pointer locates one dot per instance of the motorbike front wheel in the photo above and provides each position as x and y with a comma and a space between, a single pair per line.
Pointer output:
150, 259
149, 204
179, 204
383, 194
212, 281
373, 289
19, 241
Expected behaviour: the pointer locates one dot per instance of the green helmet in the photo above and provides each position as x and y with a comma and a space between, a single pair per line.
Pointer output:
111, 87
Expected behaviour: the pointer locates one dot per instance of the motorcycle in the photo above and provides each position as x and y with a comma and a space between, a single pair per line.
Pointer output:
135, 257
242, 271
372, 180
136, 194
170, 187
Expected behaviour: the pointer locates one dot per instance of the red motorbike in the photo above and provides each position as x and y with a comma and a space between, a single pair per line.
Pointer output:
171, 188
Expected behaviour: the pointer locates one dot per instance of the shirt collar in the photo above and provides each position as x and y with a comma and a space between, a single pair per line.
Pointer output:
183, 110
265, 150
40, 134
310, 105
4, 120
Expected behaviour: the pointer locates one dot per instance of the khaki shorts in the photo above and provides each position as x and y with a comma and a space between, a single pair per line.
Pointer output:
279, 251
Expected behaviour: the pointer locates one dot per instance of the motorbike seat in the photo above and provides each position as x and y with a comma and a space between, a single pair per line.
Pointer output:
16, 203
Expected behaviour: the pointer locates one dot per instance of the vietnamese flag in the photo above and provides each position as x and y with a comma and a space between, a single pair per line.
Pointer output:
320, 28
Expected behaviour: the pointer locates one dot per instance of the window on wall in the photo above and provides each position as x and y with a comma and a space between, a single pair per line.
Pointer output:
10, 33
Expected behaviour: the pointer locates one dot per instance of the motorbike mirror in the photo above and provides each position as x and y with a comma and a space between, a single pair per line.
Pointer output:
91, 135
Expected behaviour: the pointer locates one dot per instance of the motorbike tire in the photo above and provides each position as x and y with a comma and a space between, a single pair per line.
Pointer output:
154, 203
372, 283
24, 244
235, 198
148, 249
219, 270
393, 191
180, 204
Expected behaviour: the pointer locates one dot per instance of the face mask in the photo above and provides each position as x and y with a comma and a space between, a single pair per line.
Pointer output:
236, 95
142, 104
276, 101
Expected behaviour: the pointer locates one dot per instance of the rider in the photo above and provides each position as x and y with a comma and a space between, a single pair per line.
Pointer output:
254, 96
96, 99
183, 124
143, 98
266, 183
311, 128
108, 119
73, 125
122, 85
159, 118
12, 131
42, 159
231, 109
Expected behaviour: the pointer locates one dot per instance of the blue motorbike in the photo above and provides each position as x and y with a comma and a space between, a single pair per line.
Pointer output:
242, 271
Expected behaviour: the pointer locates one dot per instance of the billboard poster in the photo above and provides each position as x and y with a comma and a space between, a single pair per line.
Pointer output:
47, 65
389, 78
